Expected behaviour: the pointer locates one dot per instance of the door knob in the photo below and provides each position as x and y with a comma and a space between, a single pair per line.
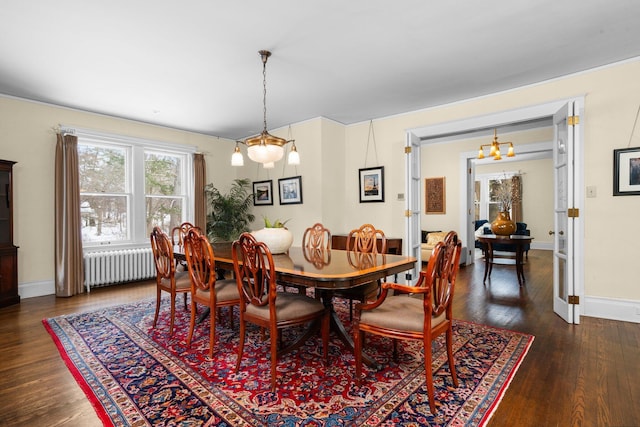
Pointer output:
551, 232
561, 233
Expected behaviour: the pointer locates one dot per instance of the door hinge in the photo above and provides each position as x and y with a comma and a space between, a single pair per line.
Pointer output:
573, 299
573, 120
573, 212
407, 150
407, 213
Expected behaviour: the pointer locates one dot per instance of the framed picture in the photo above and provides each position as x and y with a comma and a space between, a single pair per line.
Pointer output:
372, 184
263, 193
626, 172
290, 190
435, 200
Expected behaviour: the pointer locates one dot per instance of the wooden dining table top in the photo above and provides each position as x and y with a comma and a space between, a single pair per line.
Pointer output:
330, 269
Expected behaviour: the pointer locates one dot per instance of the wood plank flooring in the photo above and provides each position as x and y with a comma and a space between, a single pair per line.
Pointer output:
574, 375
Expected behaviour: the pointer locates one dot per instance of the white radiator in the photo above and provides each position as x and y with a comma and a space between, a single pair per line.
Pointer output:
126, 265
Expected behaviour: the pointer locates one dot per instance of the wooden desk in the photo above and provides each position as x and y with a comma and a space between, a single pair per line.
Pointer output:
394, 245
518, 241
338, 269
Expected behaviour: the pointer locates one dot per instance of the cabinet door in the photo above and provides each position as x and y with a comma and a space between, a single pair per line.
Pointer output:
5, 208
9, 276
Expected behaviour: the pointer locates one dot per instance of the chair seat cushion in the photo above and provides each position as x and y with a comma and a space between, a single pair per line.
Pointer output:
226, 290
183, 281
288, 306
401, 313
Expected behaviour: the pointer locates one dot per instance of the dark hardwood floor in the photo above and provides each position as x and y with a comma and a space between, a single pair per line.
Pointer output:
574, 375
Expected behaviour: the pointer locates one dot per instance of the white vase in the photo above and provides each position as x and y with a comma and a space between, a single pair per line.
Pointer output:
279, 240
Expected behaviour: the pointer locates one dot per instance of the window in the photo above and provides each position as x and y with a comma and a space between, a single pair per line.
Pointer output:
128, 186
486, 203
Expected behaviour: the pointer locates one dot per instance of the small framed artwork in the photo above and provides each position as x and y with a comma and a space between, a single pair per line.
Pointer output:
626, 172
435, 196
290, 190
263, 193
372, 184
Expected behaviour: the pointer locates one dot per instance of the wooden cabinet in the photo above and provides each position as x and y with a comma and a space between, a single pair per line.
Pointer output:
8, 252
394, 245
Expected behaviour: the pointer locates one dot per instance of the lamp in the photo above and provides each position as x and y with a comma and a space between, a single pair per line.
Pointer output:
494, 151
265, 148
236, 157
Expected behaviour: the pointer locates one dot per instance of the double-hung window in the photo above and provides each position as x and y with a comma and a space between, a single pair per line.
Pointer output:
129, 185
486, 201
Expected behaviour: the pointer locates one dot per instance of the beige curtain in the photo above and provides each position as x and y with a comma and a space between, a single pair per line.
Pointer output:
69, 277
516, 195
200, 203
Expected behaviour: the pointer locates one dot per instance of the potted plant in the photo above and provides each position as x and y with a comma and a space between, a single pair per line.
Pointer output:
277, 237
229, 215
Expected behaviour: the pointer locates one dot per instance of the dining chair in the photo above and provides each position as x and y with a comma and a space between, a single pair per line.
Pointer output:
178, 235
423, 315
262, 304
205, 288
365, 239
167, 278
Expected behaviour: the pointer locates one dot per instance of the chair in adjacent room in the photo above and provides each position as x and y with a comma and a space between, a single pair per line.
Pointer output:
205, 288
262, 305
366, 239
426, 314
167, 278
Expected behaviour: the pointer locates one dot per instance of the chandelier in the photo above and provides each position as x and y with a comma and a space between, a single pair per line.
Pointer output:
494, 151
265, 148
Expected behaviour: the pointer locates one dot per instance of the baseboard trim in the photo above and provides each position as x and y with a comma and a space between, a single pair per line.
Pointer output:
612, 309
36, 289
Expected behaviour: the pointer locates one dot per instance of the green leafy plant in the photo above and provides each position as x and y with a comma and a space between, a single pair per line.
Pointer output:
275, 224
229, 215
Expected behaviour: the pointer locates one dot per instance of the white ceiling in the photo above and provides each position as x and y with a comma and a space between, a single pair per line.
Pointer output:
194, 64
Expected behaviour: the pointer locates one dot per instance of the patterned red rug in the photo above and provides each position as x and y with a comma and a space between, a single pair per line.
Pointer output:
137, 375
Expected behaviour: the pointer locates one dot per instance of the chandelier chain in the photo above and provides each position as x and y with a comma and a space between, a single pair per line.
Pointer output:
264, 91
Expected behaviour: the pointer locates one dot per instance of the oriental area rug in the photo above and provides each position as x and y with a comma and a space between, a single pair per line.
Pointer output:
135, 374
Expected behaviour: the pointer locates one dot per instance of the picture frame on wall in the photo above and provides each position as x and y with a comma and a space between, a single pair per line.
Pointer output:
371, 184
435, 195
626, 172
263, 193
290, 190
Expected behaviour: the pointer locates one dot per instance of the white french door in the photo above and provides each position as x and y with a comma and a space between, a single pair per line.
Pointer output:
412, 203
566, 131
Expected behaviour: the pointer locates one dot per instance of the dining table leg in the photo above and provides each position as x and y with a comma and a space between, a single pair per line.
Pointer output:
338, 327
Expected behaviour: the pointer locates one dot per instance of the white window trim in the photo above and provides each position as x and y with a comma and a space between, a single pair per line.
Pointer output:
140, 239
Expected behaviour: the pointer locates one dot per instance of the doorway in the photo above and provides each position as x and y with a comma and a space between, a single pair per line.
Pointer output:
569, 280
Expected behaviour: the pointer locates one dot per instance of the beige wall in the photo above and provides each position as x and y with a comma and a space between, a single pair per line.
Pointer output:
29, 139
331, 156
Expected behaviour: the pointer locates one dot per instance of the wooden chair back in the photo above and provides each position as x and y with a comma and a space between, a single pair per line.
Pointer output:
316, 237
254, 270
200, 260
179, 233
365, 239
162, 254
316, 245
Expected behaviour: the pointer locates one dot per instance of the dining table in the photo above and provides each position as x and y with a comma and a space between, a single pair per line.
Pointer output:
490, 258
327, 271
